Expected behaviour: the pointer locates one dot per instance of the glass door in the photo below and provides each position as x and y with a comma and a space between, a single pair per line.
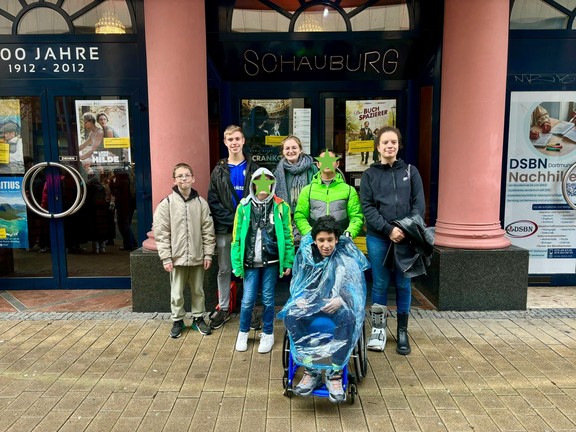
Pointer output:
76, 203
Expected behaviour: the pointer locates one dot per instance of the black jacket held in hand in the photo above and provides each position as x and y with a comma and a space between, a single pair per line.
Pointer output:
389, 193
412, 255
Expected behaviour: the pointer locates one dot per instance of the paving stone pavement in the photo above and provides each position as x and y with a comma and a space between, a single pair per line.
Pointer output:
119, 371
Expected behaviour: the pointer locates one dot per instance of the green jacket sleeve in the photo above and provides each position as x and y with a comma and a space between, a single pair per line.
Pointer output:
236, 249
302, 211
288, 238
355, 214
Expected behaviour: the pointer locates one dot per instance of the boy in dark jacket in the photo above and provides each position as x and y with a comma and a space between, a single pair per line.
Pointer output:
229, 183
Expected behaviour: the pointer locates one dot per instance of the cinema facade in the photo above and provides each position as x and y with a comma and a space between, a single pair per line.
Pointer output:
485, 120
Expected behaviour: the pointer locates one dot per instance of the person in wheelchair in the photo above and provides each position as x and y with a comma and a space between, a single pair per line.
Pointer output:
324, 315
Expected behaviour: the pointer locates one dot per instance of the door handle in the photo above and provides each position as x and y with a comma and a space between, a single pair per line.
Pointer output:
31, 201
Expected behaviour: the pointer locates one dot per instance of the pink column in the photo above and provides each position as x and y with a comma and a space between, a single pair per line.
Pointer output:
177, 92
474, 62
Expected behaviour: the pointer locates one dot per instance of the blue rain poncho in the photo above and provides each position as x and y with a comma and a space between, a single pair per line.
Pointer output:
318, 339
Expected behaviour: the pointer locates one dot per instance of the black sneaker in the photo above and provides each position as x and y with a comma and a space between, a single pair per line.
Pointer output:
177, 328
219, 319
255, 323
199, 324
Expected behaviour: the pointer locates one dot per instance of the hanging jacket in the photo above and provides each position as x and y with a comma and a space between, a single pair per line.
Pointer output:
412, 255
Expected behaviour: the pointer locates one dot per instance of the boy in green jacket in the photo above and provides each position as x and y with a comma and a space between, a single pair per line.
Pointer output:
262, 251
329, 194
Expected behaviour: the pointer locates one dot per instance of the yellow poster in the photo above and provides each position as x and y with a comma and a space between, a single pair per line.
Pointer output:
4, 153
358, 146
11, 146
364, 119
117, 143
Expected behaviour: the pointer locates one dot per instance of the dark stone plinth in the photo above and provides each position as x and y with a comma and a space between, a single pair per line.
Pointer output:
6, 262
151, 284
476, 280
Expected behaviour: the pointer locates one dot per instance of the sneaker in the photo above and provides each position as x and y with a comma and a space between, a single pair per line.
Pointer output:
177, 328
334, 386
199, 324
266, 343
309, 382
219, 319
255, 323
242, 341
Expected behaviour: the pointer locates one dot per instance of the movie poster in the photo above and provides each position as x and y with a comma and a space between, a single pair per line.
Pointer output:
265, 122
541, 149
13, 219
11, 148
103, 134
363, 120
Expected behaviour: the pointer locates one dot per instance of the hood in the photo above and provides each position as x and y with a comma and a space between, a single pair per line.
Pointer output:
398, 164
256, 176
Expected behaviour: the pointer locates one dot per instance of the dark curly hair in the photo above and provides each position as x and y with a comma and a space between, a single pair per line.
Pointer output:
327, 224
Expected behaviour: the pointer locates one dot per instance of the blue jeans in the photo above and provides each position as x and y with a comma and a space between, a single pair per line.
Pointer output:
381, 276
254, 278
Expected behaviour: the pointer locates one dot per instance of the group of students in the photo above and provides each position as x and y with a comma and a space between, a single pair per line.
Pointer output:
252, 219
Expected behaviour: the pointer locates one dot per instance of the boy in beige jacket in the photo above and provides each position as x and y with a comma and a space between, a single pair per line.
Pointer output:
184, 233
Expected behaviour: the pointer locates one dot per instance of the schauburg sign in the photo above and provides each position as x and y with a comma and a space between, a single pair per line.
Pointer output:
353, 58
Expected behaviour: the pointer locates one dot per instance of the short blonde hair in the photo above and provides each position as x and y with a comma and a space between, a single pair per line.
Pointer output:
231, 129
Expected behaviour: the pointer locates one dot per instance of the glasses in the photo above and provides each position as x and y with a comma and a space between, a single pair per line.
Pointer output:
183, 176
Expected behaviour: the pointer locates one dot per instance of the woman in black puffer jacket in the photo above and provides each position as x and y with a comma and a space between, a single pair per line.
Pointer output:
389, 190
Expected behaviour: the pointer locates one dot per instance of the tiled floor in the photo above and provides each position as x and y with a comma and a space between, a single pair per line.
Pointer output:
65, 300
112, 300
552, 297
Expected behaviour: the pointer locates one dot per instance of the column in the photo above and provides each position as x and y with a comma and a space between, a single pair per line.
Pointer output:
474, 64
177, 92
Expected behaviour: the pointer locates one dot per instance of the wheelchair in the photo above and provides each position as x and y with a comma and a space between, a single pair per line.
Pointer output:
352, 374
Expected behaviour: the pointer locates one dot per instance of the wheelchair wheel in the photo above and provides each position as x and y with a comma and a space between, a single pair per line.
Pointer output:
362, 354
352, 392
285, 351
288, 392
360, 361
285, 360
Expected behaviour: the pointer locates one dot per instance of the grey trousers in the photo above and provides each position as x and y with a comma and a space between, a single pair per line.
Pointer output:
223, 246
180, 278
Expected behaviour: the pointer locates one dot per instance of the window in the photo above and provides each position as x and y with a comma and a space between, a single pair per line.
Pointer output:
252, 16
68, 17
543, 15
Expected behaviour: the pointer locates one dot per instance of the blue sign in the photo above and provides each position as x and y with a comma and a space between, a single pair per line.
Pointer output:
13, 219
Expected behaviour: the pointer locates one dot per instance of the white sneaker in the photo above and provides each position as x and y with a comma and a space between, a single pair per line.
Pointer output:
242, 341
266, 343
377, 341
